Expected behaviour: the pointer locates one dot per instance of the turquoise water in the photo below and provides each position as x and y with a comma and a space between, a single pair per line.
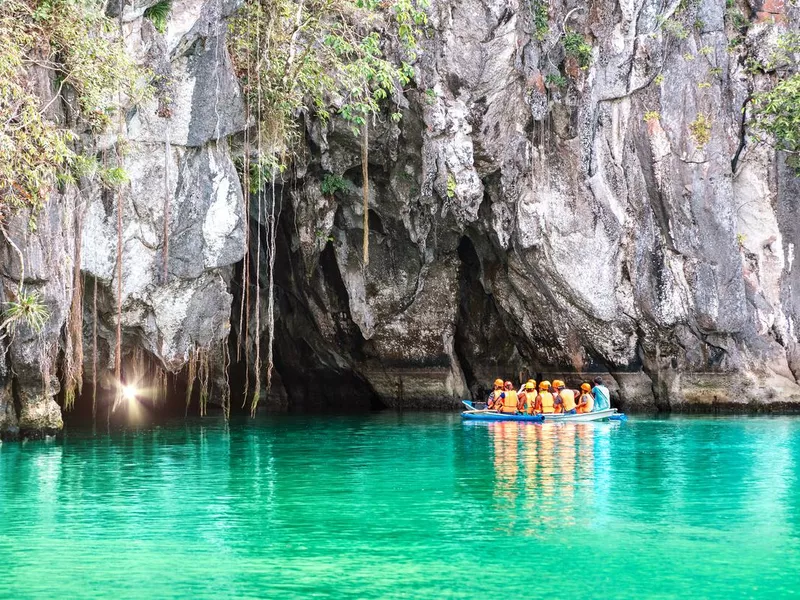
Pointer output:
406, 505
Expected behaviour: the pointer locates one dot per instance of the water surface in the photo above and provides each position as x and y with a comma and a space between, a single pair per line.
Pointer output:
406, 505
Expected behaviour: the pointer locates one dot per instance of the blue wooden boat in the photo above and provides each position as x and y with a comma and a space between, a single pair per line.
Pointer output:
483, 414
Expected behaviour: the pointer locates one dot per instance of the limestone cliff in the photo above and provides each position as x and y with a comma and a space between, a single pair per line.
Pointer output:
527, 216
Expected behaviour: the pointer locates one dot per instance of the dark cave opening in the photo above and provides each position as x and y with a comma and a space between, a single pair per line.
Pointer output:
311, 373
483, 345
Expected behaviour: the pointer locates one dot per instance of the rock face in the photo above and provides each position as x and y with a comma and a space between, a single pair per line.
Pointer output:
527, 225
527, 217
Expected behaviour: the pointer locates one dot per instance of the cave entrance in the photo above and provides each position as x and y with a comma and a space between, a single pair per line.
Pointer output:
485, 347
311, 372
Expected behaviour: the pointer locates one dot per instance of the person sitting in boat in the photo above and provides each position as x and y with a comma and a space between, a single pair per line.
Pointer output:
566, 399
521, 389
602, 397
495, 395
527, 399
508, 399
586, 400
544, 400
557, 406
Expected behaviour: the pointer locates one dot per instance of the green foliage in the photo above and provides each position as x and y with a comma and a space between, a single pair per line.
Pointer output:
706, 50
540, 14
737, 19
716, 72
701, 129
741, 239
264, 170
451, 186
575, 45
320, 57
320, 235
651, 115
333, 183
659, 79
735, 43
430, 96
113, 177
555, 80
27, 309
73, 40
158, 14
688, 56
675, 29
777, 113
703, 85
94, 60
788, 46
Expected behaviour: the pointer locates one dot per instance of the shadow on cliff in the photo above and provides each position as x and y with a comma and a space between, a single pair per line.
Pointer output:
310, 373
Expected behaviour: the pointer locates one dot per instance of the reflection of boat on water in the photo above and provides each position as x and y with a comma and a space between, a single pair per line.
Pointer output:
483, 414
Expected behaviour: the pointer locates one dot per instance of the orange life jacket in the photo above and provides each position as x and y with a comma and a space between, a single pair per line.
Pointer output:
567, 399
546, 403
589, 400
509, 402
528, 402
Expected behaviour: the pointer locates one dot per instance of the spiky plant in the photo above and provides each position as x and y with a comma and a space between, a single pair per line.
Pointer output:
158, 14
29, 309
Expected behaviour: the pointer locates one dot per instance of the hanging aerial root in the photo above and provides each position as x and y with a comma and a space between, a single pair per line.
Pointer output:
203, 379
94, 350
191, 375
226, 391
365, 190
159, 384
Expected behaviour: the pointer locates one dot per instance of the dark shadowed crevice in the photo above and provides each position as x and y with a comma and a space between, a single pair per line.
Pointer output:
316, 372
466, 281
483, 346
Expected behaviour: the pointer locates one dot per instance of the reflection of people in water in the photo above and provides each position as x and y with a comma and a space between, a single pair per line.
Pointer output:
585, 452
549, 474
505, 436
565, 466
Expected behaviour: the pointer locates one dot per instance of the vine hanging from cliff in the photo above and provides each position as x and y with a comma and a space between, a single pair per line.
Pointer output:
322, 58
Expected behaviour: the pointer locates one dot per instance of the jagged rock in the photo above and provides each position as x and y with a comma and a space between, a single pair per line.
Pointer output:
597, 241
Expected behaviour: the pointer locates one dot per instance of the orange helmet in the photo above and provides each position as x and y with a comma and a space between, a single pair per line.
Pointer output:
498, 383
586, 387
557, 383
545, 385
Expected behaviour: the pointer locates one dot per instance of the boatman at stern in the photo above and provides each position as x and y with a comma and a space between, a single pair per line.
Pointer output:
602, 398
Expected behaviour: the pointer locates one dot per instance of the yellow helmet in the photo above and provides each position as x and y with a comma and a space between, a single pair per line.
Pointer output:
545, 385
531, 385
498, 383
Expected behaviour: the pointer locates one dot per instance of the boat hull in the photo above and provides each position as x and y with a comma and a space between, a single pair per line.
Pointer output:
480, 415
581, 417
486, 415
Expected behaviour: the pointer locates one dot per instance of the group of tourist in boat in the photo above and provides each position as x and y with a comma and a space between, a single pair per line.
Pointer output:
548, 398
